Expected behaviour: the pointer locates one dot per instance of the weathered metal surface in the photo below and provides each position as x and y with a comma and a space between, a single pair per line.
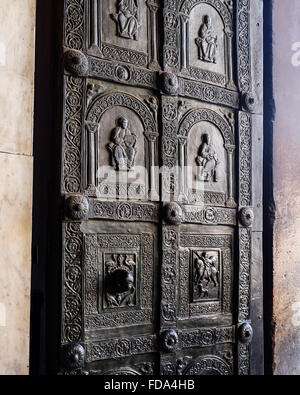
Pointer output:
124, 115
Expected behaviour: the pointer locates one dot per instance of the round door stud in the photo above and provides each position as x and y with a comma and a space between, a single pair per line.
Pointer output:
169, 83
77, 207
173, 213
76, 62
245, 333
169, 341
73, 356
246, 216
249, 101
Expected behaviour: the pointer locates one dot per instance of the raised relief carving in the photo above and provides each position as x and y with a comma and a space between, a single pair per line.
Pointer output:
120, 280
120, 347
127, 19
206, 275
207, 160
207, 41
208, 366
123, 146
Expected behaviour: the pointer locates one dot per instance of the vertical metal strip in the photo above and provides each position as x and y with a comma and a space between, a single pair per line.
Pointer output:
72, 300
245, 237
243, 45
171, 52
74, 24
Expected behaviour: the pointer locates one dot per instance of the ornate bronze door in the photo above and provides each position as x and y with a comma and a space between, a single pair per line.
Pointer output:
162, 183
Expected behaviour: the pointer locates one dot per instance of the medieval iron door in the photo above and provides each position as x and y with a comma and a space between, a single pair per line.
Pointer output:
162, 181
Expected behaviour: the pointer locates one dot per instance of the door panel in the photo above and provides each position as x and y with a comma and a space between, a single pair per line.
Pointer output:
161, 181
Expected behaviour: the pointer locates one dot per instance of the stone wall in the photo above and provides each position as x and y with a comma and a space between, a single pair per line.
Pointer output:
286, 171
17, 38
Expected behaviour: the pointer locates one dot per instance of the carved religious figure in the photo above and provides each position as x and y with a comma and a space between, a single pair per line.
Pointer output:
206, 273
207, 41
119, 281
207, 160
123, 146
127, 19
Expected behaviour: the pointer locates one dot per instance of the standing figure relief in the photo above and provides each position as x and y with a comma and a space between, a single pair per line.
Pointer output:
127, 19
206, 273
207, 161
123, 146
207, 41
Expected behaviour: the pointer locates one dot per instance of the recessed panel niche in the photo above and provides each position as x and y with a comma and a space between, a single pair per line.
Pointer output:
124, 24
206, 159
206, 39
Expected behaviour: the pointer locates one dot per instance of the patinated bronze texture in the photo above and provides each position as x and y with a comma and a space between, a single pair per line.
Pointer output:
162, 229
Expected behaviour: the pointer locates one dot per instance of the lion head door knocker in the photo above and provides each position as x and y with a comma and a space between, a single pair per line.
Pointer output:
127, 19
207, 161
207, 41
123, 146
206, 274
120, 281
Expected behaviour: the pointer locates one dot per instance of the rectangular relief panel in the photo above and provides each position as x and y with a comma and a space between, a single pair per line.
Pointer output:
203, 148
206, 35
206, 275
120, 263
120, 142
124, 30
110, 288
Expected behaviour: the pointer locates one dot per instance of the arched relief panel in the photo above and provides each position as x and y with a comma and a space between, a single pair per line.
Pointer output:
207, 146
121, 147
124, 30
206, 41
207, 174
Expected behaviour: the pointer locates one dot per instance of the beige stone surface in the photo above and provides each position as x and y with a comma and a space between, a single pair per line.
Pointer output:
17, 42
15, 261
17, 39
286, 302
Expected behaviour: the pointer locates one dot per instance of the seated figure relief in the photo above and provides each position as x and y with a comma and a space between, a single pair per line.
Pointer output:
127, 19
123, 146
207, 160
207, 41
